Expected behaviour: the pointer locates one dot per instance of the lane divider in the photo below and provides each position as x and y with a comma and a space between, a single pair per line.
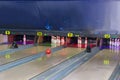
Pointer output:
54, 68
64, 72
116, 73
27, 59
10, 51
61, 69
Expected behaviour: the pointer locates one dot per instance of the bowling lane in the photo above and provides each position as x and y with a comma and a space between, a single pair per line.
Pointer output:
33, 68
4, 46
21, 54
100, 67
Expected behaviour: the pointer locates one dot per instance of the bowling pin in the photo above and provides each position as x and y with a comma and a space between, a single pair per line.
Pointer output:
55, 40
79, 42
117, 43
24, 39
52, 39
85, 42
58, 40
68, 40
110, 43
62, 41
113, 45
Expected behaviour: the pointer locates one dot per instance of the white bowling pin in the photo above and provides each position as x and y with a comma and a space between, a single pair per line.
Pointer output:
58, 39
55, 40
79, 40
24, 39
119, 42
115, 42
62, 41
110, 44
52, 39
85, 42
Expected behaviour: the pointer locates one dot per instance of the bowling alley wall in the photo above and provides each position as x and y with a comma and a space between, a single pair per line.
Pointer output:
3, 38
40, 39
29, 39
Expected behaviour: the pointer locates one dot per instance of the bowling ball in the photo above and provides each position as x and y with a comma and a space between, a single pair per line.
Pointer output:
48, 51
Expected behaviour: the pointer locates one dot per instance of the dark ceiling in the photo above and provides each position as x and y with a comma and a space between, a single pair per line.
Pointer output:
54, 15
